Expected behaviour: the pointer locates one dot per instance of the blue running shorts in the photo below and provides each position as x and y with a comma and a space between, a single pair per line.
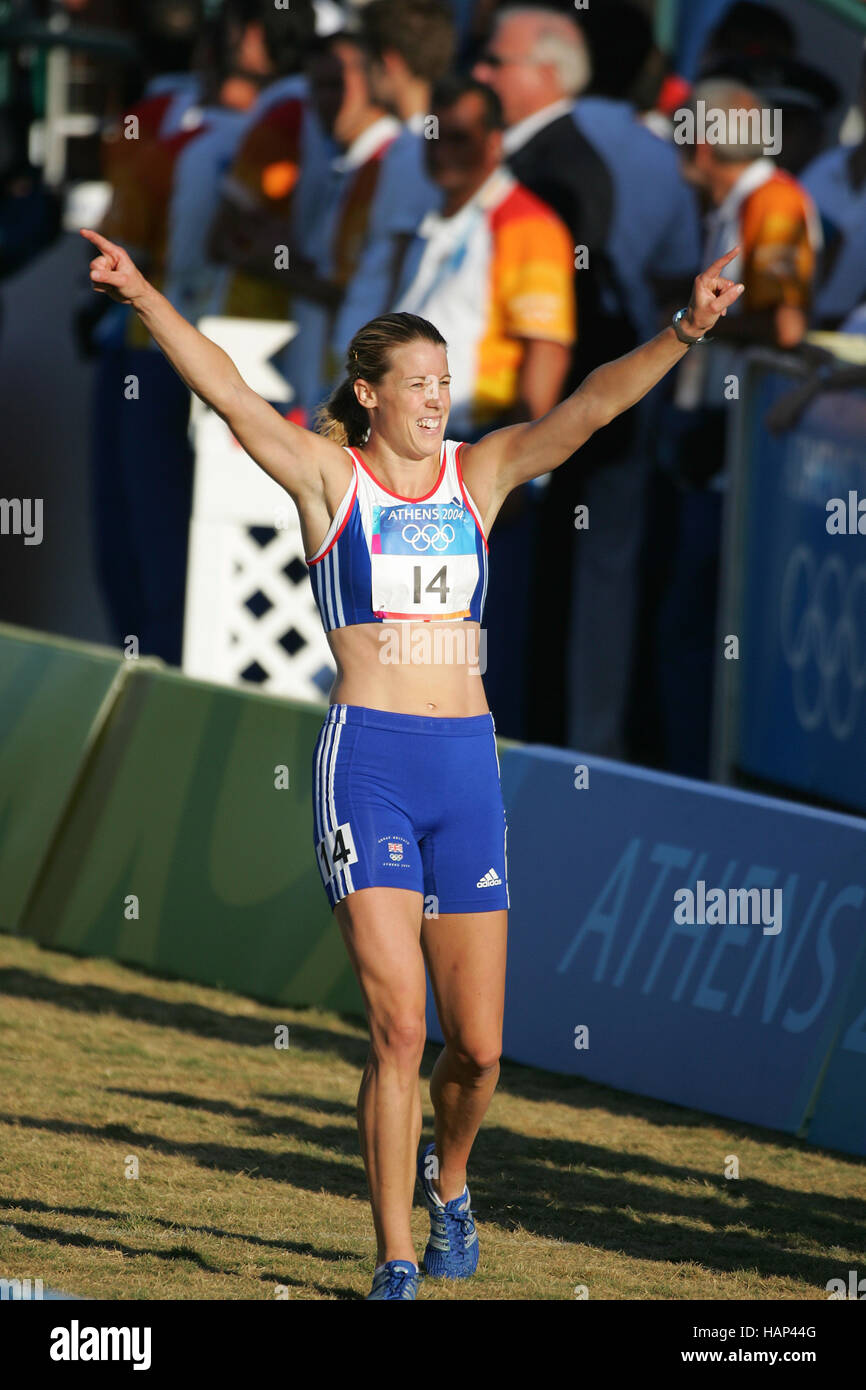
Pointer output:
410, 801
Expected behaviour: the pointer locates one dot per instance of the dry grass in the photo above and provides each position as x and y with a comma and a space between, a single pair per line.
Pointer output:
249, 1177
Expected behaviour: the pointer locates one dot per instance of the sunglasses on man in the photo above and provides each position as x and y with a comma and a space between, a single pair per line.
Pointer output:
500, 60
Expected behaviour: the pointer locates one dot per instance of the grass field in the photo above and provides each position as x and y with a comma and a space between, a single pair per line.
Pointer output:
250, 1184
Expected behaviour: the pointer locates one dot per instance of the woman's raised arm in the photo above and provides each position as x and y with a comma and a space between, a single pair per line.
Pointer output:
295, 457
507, 457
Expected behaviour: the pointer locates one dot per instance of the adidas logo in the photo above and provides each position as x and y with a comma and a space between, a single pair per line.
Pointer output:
490, 880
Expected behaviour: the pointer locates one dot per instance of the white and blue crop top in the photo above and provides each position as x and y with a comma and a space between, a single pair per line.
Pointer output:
418, 559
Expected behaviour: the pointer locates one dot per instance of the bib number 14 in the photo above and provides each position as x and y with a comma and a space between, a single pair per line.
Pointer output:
438, 584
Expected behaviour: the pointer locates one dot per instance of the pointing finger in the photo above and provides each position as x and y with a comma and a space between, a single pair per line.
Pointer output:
717, 266
102, 243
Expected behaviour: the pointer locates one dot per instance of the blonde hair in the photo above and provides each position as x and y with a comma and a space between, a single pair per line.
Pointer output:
342, 417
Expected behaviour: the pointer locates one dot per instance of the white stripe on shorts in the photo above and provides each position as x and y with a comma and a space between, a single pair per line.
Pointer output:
346, 872
326, 808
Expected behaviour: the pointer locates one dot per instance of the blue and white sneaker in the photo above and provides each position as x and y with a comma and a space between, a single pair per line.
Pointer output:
452, 1250
396, 1279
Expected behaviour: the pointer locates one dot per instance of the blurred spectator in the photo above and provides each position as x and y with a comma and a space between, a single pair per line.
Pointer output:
627, 65
29, 212
412, 44
580, 647
334, 230
732, 25
537, 62
493, 270
802, 96
756, 46
192, 273
143, 476
765, 212
749, 29
655, 246
654, 238
258, 191
836, 180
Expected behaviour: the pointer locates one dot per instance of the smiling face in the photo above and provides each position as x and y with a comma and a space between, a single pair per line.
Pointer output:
409, 407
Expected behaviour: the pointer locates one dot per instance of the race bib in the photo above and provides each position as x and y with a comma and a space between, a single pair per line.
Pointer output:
423, 559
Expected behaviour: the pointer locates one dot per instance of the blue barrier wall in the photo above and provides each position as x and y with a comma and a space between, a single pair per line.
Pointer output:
767, 1028
727, 1019
839, 1121
802, 667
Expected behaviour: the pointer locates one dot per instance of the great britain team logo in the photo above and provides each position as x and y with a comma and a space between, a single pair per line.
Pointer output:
394, 848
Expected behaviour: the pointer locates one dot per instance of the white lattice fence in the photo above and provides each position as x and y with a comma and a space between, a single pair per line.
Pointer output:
250, 614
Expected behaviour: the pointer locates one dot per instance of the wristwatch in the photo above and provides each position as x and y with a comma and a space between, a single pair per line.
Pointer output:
684, 337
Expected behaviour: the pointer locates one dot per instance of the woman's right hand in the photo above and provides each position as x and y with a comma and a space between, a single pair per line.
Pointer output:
114, 272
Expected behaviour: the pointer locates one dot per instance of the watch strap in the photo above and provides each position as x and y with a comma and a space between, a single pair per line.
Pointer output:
685, 337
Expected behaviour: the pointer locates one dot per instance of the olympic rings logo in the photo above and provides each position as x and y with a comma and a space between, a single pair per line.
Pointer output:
824, 639
429, 537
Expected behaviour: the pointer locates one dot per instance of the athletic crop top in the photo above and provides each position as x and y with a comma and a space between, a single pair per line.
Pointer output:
421, 559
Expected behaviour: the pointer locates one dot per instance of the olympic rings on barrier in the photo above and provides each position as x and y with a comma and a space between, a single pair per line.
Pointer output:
829, 633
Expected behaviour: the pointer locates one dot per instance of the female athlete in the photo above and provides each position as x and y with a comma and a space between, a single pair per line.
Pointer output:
409, 825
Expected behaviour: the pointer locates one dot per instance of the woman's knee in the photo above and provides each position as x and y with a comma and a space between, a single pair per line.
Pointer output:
398, 1037
477, 1057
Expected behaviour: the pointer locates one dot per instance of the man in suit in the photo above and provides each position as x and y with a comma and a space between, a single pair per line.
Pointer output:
538, 63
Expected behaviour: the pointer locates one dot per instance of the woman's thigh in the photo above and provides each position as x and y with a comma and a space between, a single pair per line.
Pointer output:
381, 928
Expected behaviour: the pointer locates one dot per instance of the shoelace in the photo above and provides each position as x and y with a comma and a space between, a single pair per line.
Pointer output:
463, 1226
397, 1285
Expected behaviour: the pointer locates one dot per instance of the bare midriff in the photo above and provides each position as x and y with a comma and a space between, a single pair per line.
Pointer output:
410, 668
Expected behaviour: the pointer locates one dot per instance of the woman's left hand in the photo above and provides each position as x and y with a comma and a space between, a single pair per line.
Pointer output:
712, 296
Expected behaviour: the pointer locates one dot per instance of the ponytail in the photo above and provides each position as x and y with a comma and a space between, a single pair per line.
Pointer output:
342, 417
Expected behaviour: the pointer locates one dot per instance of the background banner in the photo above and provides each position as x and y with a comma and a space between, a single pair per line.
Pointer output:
725, 1018
802, 610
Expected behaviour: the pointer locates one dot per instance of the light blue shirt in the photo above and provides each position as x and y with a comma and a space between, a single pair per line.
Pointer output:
826, 179
656, 229
191, 278
404, 195
304, 359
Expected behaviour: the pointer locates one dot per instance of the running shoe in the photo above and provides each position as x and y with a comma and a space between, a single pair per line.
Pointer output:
396, 1279
452, 1250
